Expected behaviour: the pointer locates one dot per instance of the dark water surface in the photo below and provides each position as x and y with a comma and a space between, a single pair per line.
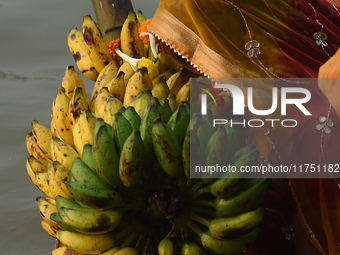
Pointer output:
33, 58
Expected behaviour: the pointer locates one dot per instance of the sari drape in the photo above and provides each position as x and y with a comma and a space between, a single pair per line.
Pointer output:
271, 39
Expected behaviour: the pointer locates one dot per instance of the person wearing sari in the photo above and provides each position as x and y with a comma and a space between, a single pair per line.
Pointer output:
279, 39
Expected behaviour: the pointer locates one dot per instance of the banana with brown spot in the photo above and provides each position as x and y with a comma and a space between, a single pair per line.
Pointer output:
34, 165
62, 152
71, 80
34, 149
43, 137
60, 115
80, 54
131, 44
96, 42
117, 87
77, 103
140, 81
108, 73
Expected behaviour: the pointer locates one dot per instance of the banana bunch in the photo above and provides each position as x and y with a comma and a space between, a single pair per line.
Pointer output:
115, 167
129, 190
143, 66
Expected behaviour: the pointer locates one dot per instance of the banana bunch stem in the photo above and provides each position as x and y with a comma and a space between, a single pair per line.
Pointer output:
199, 219
194, 227
111, 14
204, 210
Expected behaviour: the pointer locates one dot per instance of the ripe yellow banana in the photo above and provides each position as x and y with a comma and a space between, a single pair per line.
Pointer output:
62, 176
183, 93
43, 136
165, 62
140, 81
128, 71
53, 128
77, 103
141, 101
34, 149
105, 76
54, 183
172, 102
140, 17
71, 80
34, 165
177, 80
60, 115
102, 96
48, 228
42, 183
161, 89
80, 54
117, 87
85, 243
47, 207
63, 250
109, 108
77, 138
87, 121
131, 44
62, 152
166, 74
96, 42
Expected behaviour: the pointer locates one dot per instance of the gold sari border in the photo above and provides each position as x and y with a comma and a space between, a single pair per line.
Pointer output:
190, 46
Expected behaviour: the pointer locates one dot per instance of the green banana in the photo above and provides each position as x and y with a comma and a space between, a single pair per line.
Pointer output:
224, 246
166, 109
66, 202
149, 115
227, 228
121, 130
99, 123
160, 88
166, 247
86, 157
105, 157
91, 196
191, 249
246, 199
179, 122
231, 181
91, 221
233, 135
214, 154
167, 149
57, 219
132, 116
202, 129
81, 172
191, 152
131, 162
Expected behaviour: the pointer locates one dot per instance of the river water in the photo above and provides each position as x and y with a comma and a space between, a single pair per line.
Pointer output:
33, 58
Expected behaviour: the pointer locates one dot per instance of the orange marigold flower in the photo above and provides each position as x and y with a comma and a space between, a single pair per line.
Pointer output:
144, 29
113, 45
